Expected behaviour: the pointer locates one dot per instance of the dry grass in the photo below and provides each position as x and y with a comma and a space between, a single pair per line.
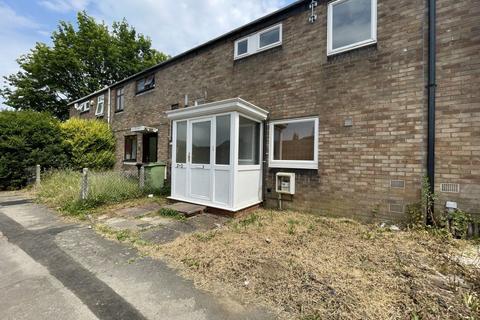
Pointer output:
305, 267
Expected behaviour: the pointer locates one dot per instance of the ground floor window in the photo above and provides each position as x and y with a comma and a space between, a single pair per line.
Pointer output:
130, 148
294, 143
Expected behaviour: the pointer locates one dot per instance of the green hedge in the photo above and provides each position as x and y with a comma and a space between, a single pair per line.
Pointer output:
28, 138
90, 143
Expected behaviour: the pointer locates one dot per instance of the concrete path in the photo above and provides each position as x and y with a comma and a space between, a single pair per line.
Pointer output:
53, 270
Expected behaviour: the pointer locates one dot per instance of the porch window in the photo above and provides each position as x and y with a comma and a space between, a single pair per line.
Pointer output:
351, 24
120, 99
181, 142
100, 105
222, 149
146, 83
248, 142
130, 148
294, 143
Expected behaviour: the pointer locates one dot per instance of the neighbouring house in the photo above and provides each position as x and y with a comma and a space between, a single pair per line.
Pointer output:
327, 106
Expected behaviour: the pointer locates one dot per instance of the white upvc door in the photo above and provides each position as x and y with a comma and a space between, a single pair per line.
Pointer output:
200, 154
179, 159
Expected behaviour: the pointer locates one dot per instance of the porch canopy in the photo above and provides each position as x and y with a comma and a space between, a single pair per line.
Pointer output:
216, 154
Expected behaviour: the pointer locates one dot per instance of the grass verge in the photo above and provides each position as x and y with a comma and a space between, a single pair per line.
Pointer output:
61, 190
306, 267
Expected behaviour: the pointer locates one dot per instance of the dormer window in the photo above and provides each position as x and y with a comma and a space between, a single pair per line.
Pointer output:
146, 83
259, 41
351, 24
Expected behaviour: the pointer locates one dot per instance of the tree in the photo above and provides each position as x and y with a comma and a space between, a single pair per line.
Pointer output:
28, 138
80, 61
90, 144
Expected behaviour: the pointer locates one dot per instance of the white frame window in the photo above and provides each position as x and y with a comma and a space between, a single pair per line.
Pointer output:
253, 42
100, 105
373, 31
293, 164
84, 106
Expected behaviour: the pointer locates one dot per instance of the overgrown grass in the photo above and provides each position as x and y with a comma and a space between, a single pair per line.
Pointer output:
61, 189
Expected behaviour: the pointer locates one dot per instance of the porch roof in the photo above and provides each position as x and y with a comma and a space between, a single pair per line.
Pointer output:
212, 108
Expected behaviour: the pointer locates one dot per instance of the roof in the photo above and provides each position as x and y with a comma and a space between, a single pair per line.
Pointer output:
229, 105
279, 14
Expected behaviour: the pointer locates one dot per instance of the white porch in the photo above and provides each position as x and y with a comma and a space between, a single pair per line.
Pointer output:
217, 154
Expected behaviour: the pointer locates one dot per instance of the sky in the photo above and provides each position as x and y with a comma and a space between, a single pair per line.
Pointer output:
173, 25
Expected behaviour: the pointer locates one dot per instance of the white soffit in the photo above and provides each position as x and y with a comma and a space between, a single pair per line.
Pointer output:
224, 106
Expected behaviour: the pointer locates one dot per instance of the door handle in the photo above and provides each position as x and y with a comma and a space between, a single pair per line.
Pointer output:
188, 157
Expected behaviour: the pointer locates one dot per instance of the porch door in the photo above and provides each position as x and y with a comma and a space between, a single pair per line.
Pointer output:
199, 159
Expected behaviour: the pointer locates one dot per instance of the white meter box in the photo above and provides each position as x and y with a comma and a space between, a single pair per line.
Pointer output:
285, 182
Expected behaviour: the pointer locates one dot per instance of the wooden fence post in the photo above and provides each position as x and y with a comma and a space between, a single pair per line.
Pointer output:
37, 176
84, 187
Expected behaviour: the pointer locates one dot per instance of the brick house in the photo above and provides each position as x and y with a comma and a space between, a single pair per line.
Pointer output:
341, 94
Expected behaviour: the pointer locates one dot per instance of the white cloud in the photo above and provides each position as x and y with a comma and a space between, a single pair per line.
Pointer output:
64, 6
174, 25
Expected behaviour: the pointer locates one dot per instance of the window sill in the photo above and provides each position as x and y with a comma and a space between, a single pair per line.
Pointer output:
358, 45
141, 93
100, 115
293, 164
130, 162
119, 111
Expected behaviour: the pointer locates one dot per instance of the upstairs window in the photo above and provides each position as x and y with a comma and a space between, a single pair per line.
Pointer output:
120, 99
100, 105
294, 143
259, 41
146, 83
84, 107
130, 149
351, 24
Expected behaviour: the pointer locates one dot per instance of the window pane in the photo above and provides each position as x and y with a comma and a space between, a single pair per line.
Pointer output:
222, 154
351, 22
181, 142
294, 141
269, 37
248, 142
201, 142
242, 47
131, 148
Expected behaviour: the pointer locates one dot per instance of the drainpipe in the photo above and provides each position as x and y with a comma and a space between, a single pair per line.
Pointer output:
431, 93
108, 104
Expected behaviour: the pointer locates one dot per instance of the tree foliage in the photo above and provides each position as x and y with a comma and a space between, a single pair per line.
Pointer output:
28, 138
81, 60
90, 144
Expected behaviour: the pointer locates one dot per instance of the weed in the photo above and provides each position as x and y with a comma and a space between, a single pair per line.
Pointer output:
171, 213
250, 220
191, 263
204, 237
472, 302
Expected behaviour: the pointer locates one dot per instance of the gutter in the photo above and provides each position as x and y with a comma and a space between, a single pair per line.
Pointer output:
432, 84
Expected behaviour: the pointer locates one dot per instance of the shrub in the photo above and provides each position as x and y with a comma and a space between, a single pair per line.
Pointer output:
28, 138
90, 143
61, 189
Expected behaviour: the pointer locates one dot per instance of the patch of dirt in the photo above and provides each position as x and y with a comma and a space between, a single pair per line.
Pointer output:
306, 267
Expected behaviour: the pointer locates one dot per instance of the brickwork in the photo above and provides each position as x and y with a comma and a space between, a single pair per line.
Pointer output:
381, 87
458, 103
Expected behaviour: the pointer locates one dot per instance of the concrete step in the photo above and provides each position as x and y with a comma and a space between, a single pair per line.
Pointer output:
187, 209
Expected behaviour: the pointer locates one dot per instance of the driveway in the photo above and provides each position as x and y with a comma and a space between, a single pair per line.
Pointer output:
50, 269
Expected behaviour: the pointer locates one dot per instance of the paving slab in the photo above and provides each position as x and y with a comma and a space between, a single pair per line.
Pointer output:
186, 209
139, 211
118, 224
